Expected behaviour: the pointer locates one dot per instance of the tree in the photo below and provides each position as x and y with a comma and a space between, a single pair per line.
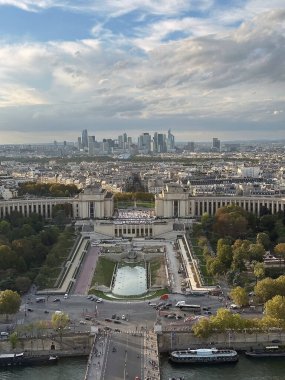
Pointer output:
5, 227
239, 296
256, 252
263, 239
206, 221
275, 307
13, 338
224, 253
259, 271
22, 284
230, 221
280, 251
59, 321
9, 302
215, 267
266, 289
203, 328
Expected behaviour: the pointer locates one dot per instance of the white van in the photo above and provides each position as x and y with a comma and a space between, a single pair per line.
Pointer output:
65, 296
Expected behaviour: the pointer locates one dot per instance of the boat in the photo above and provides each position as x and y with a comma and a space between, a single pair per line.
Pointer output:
24, 359
204, 355
269, 351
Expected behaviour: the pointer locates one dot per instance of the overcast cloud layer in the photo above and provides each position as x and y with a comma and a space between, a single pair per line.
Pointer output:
203, 68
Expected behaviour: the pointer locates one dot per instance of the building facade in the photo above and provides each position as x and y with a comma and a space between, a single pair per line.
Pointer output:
173, 202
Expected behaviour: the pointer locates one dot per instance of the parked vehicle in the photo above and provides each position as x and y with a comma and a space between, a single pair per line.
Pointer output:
40, 300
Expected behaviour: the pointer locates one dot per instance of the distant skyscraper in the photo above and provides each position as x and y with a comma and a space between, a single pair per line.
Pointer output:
170, 141
216, 145
84, 140
144, 142
79, 143
91, 145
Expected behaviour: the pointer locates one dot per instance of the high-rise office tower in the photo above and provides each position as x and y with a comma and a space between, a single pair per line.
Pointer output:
144, 142
79, 143
91, 145
84, 139
216, 144
170, 141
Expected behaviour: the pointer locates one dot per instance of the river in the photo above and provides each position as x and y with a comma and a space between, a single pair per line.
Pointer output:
245, 369
66, 369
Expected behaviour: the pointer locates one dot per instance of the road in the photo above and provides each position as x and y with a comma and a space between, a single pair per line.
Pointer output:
127, 351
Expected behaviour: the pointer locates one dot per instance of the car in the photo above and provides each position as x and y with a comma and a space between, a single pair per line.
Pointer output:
65, 296
81, 322
56, 300
114, 349
276, 341
179, 316
123, 317
89, 297
4, 333
114, 316
168, 304
117, 317
108, 320
207, 312
88, 317
118, 322
171, 315
106, 328
29, 309
46, 311
99, 300
117, 330
206, 308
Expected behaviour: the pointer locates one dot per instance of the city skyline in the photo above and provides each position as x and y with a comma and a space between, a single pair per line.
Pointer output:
202, 69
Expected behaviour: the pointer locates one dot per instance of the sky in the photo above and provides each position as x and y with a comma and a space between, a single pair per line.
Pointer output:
203, 68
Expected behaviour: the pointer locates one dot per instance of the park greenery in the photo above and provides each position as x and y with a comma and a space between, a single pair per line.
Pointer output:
26, 245
225, 320
47, 189
10, 302
103, 273
240, 241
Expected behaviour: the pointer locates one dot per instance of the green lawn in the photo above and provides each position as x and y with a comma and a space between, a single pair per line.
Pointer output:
103, 272
198, 252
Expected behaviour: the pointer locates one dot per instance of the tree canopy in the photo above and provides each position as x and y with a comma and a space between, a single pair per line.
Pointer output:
47, 189
10, 302
239, 296
275, 307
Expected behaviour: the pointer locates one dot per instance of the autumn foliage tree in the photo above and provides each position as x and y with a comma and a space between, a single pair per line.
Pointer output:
231, 221
9, 302
275, 307
239, 296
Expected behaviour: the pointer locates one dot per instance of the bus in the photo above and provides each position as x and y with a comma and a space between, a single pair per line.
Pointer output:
40, 299
196, 309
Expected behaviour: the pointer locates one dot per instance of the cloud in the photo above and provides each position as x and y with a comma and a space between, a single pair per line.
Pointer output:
214, 76
113, 8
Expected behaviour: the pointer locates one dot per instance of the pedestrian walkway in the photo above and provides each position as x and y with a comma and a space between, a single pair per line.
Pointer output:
151, 357
96, 358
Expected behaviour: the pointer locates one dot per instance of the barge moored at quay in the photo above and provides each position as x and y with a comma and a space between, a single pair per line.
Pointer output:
204, 356
23, 359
